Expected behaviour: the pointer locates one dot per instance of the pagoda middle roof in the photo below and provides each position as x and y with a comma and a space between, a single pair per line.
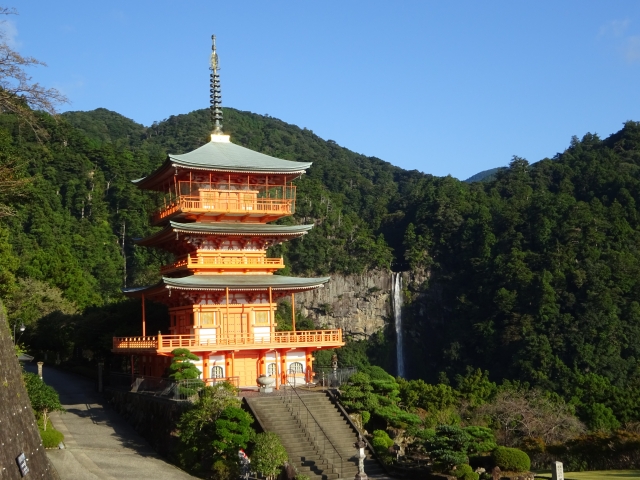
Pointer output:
233, 282
218, 228
223, 157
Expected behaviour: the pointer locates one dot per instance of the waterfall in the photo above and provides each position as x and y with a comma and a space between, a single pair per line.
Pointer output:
396, 290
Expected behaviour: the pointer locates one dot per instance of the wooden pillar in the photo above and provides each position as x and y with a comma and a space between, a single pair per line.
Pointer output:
309, 366
283, 366
226, 293
228, 371
262, 363
293, 311
233, 370
272, 317
144, 318
278, 379
205, 366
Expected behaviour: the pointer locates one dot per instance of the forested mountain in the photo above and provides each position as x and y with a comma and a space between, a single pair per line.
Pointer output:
484, 176
532, 276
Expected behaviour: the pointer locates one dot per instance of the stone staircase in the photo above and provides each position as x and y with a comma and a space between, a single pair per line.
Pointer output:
323, 452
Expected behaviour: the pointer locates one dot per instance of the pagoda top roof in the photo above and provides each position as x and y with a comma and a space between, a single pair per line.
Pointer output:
233, 282
221, 155
218, 228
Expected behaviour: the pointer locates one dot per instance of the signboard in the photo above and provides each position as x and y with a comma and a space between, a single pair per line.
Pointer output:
21, 460
557, 471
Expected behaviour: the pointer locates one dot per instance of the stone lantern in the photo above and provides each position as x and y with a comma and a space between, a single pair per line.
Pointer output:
360, 445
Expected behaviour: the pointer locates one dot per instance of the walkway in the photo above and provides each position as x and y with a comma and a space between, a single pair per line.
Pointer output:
99, 443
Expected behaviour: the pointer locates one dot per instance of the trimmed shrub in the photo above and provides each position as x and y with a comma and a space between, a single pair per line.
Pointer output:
366, 416
51, 437
464, 472
511, 459
381, 441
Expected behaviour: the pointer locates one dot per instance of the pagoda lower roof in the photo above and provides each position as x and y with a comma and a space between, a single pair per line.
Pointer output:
223, 157
223, 229
232, 282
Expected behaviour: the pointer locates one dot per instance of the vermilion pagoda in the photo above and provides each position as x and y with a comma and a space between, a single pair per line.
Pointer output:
221, 290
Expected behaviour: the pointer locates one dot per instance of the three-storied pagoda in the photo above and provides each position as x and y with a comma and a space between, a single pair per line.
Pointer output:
221, 289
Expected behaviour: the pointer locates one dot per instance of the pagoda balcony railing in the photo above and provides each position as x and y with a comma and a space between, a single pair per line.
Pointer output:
235, 202
194, 342
226, 262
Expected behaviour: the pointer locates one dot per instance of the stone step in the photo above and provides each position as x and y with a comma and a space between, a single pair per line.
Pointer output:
277, 416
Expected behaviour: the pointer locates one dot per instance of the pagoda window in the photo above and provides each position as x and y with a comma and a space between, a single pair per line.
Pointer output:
271, 370
262, 318
217, 372
208, 319
296, 367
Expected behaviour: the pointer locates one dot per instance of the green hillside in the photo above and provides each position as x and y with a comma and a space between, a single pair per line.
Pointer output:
533, 276
484, 176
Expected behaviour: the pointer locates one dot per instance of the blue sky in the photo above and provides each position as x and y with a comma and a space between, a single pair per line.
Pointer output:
451, 87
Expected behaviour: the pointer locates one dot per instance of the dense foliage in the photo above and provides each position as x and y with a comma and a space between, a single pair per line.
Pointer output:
532, 276
268, 455
212, 430
44, 399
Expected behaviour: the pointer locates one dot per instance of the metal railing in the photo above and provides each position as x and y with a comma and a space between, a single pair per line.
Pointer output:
311, 426
327, 376
181, 390
169, 342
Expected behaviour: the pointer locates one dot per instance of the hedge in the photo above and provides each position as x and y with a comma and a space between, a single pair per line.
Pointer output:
511, 459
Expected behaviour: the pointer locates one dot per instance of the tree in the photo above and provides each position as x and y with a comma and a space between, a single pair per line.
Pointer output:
197, 426
44, 399
18, 94
268, 454
519, 414
181, 367
33, 299
450, 445
232, 431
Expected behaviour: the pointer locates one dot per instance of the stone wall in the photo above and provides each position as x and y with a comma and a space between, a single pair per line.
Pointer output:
153, 418
18, 429
359, 304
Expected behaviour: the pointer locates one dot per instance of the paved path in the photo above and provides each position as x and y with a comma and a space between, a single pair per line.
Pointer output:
99, 443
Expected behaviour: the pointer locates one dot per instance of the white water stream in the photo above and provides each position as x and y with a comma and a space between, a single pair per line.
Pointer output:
396, 291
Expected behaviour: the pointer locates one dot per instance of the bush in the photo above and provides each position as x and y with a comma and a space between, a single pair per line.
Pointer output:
366, 416
268, 454
224, 469
381, 441
51, 437
511, 459
464, 472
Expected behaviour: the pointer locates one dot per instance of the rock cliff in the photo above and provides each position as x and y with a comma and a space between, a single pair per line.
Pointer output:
359, 304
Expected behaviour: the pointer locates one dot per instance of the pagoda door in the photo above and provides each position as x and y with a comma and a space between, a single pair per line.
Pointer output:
236, 327
245, 367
